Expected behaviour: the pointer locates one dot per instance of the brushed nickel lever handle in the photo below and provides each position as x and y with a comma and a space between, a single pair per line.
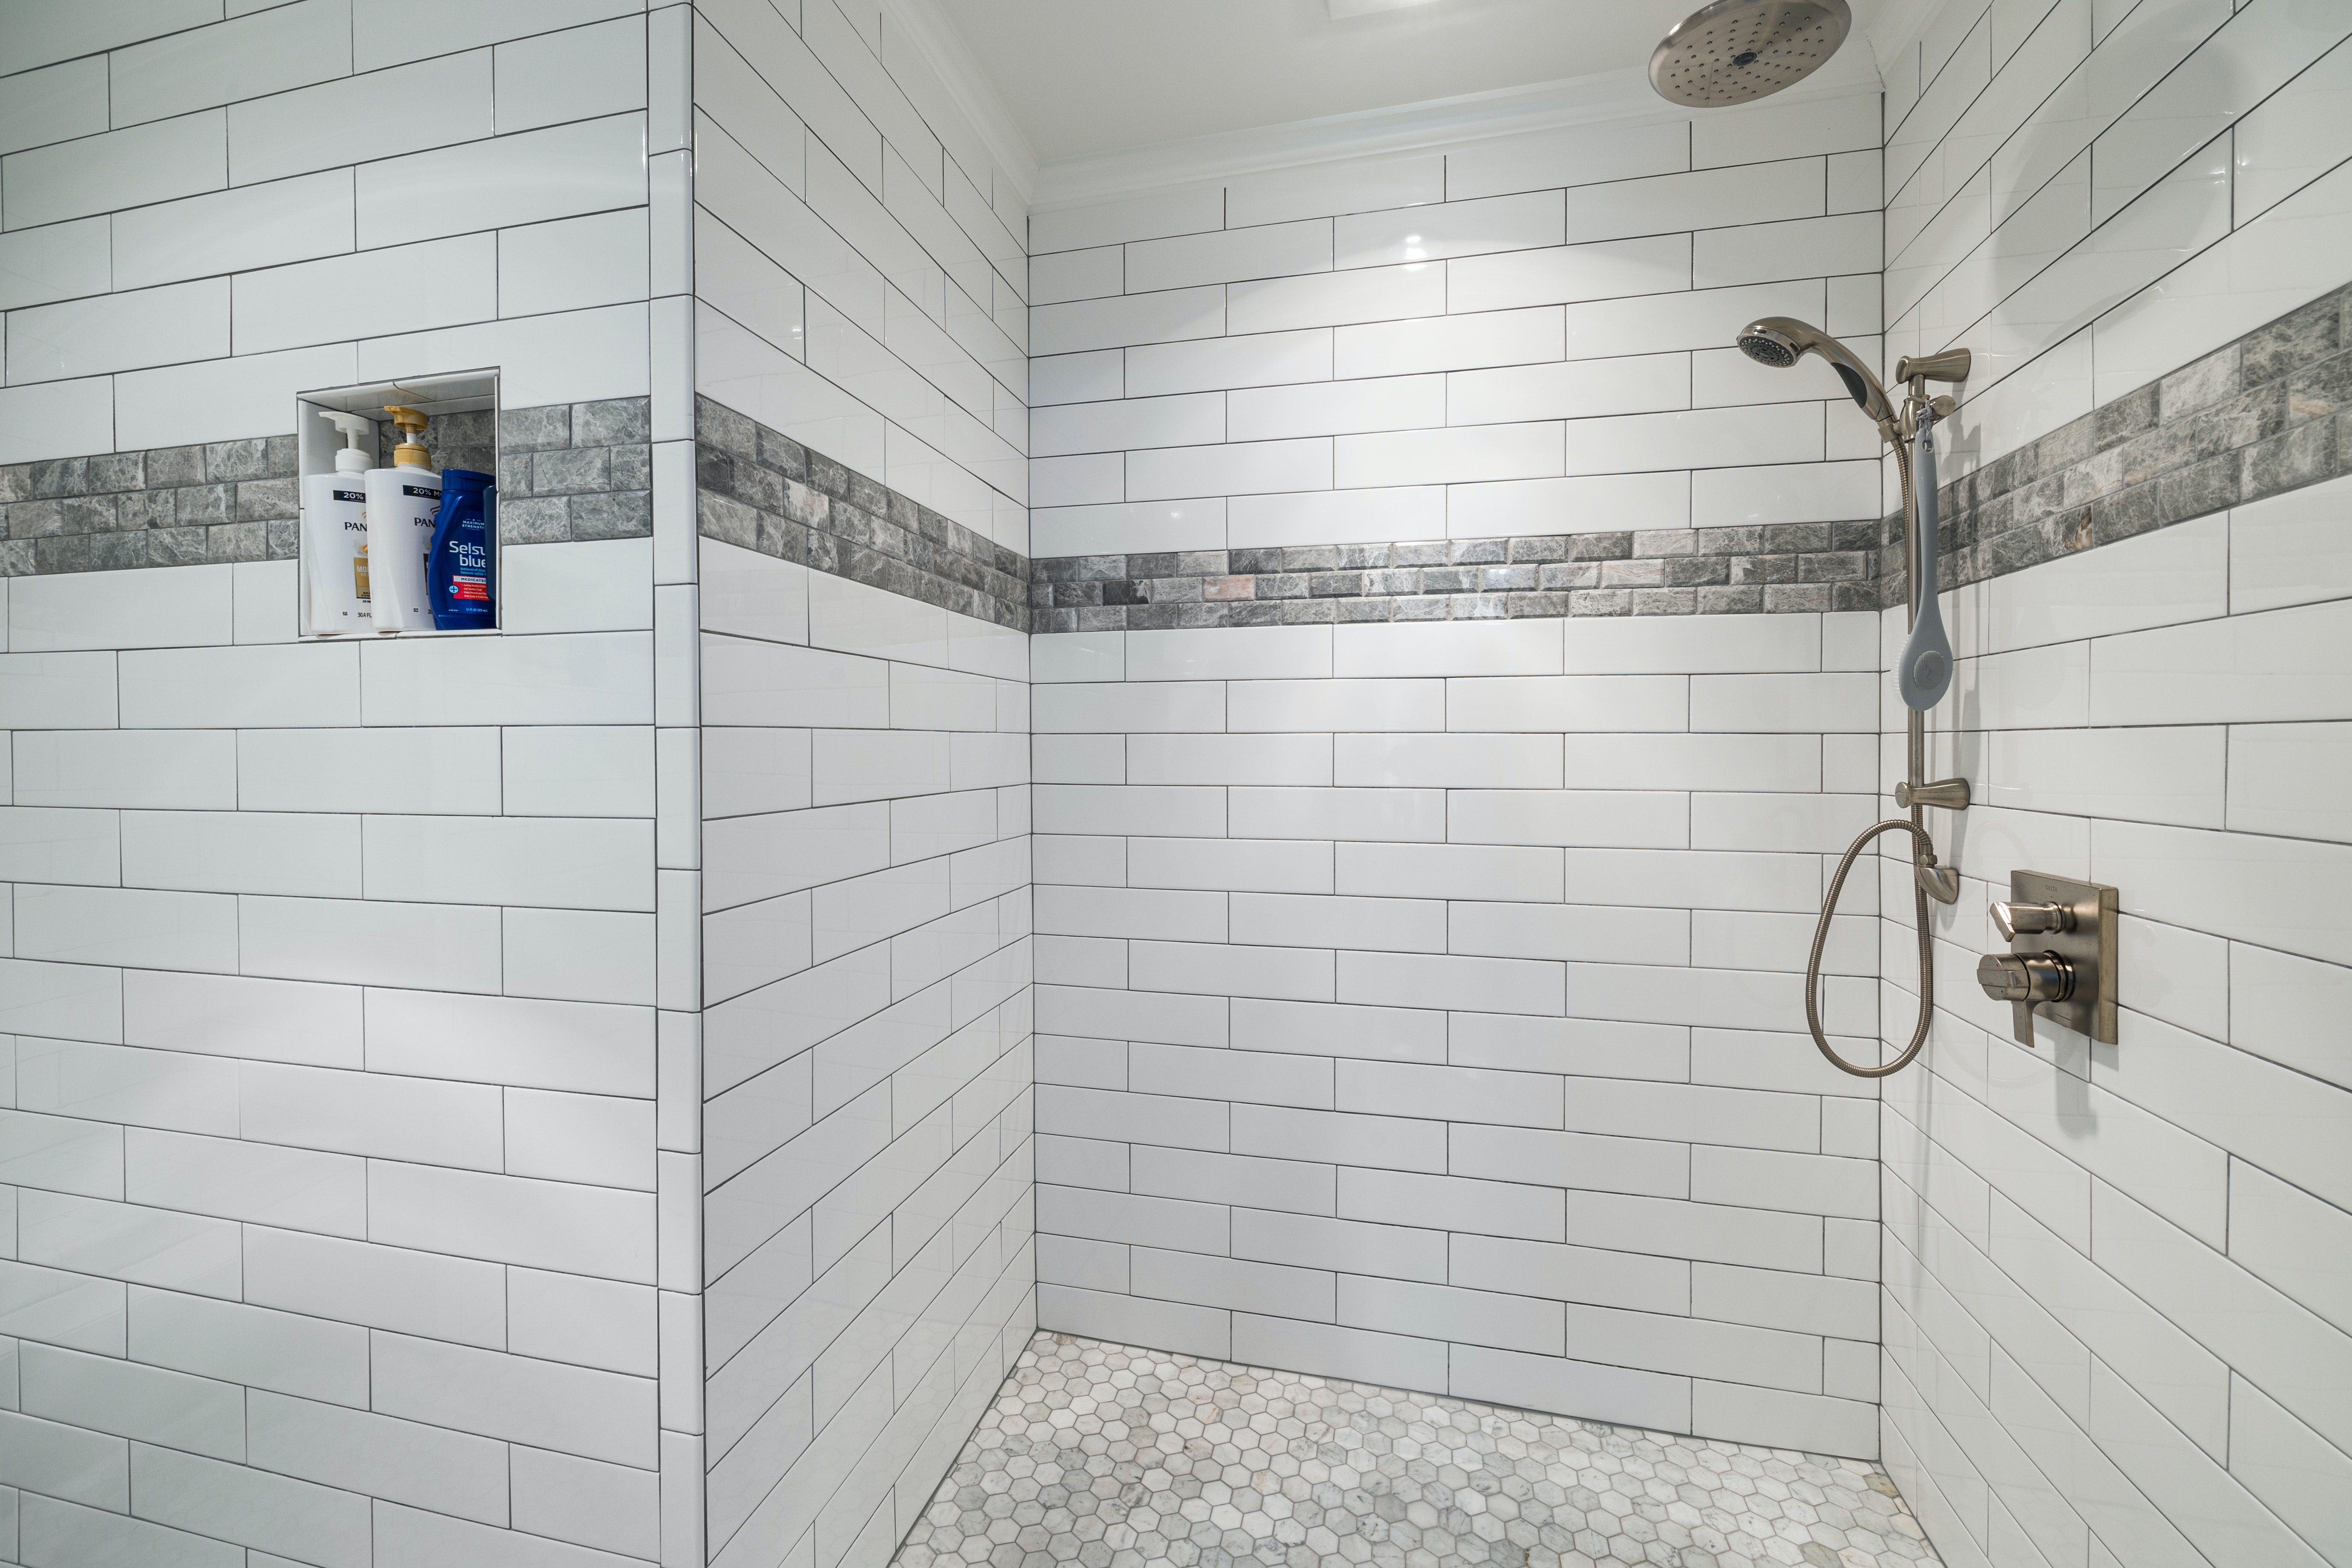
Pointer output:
2011, 918
2025, 977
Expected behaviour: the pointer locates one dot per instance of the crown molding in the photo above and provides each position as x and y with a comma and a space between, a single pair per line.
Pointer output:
1620, 96
937, 38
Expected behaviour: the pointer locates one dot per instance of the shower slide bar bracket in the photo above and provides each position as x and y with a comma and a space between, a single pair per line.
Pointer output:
1923, 670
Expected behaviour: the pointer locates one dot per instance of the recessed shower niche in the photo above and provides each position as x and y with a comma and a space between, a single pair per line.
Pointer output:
419, 454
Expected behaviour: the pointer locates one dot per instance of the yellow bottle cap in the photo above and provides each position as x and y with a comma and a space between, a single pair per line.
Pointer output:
411, 452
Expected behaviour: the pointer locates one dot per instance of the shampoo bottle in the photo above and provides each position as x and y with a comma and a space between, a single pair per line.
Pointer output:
401, 501
334, 536
457, 577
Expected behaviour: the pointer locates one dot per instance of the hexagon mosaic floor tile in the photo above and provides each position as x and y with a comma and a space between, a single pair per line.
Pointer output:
1108, 1457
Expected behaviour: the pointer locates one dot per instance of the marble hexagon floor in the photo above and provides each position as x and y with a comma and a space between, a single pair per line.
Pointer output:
1110, 1456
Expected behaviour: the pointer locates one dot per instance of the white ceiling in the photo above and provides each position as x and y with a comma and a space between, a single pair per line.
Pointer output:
1083, 78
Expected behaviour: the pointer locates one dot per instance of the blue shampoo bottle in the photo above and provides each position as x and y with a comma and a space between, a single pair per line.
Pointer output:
459, 577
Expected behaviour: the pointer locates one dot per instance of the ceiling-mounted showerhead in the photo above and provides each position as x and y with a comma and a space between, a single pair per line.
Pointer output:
1736, 51
1782, 341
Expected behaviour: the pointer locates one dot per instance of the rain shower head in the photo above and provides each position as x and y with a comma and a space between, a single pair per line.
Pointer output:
1782, 341
1736, 51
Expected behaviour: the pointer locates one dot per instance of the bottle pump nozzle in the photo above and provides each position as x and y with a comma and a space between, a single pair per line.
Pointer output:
411, 452
355, 457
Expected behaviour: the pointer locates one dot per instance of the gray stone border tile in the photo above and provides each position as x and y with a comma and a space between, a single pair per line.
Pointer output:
762, 491
578, 470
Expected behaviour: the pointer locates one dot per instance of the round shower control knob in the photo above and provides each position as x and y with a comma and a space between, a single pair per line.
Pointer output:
2025, 977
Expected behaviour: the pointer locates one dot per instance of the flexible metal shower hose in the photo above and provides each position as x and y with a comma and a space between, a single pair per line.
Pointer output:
1923, 852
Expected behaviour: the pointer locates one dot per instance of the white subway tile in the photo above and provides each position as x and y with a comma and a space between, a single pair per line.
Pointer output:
1574, 390
570, 74
1444, 456
307, 1357
569, 863
603, 678
244, 57
575, 1410
119, 332
1209, 364
1802, 247
598, 1231
489, 1039
226, 688
243, 852
1328, 516
1076, 275
1457, 760
152, 162
58, 419
1576, 155
1456, 229
2285, 549
584, 955
127, 925
1179, 421
1238, 468
405, 289
1586, 504
64, 101
1336, 408
373, 115
55, 262
1754, 192
1435, 342
1697, 438
192, 768
1270, 250
437, 770
1121, 320
252, 1182
1786, 130
379, 1455
1607, 270
1119, 529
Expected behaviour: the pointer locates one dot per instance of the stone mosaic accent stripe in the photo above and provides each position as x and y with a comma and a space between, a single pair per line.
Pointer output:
576, 471
570, 470
758, 488
2268, 413
1677, 571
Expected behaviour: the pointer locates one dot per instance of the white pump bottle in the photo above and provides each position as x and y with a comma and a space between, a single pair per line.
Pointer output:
402, 502
334, 536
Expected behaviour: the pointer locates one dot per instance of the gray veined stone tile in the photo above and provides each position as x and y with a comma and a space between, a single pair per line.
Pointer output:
1105, 1456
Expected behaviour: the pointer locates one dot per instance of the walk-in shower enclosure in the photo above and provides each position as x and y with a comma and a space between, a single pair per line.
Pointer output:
1230, 749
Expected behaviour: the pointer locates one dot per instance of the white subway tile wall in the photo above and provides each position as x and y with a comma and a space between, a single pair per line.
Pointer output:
863, 275
1543, 310
865, 1052
2105, 1339
1421, 997
2064, 1221
2098, 198
569, 1097
866, 959
352, 1209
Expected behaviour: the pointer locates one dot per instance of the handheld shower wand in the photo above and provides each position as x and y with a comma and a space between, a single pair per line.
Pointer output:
1923, 670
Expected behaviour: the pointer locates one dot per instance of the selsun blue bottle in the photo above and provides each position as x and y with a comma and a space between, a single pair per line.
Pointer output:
459, 575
